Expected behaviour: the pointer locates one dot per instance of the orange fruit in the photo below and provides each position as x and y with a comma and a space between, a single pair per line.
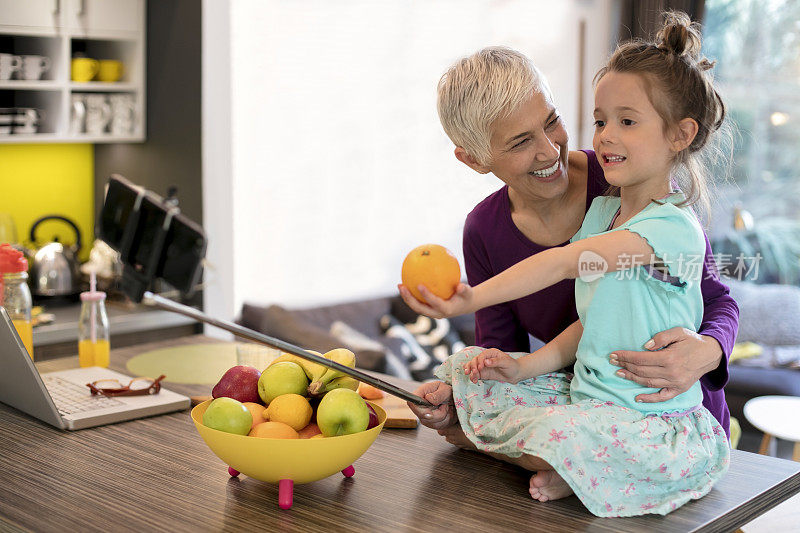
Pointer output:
309, 431
435, 267
257, 411
273, 430
368, 392
291, 409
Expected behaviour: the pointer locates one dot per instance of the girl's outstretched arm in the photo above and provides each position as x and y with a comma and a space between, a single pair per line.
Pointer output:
498, 365
609, 252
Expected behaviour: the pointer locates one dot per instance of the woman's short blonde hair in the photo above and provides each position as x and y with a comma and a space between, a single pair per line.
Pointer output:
479, 89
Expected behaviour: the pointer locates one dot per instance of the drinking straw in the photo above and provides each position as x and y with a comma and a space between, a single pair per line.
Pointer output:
93, 312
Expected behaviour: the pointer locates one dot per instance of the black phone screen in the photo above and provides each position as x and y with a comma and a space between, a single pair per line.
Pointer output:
153, 238
117, 209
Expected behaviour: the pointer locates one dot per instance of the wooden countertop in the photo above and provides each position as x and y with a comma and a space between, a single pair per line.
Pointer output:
157, 474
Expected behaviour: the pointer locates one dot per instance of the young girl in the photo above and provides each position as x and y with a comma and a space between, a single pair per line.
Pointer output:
636, 260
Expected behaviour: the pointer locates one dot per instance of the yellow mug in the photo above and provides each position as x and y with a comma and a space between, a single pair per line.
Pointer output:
84, 68
110, 70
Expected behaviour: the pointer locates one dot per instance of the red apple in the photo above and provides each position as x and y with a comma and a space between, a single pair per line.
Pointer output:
373, 417
240, 383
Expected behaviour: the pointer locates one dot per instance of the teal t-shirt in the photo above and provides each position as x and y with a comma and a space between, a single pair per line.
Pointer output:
622, 310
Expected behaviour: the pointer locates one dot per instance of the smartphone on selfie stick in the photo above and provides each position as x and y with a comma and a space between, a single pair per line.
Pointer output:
156, 241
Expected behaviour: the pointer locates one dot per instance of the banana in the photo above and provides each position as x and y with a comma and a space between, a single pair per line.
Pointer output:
343, 382
313, 370
340, 355
283, 357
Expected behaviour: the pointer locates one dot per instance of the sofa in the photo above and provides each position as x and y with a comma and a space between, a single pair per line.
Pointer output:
385, 334
769, 320
389, 337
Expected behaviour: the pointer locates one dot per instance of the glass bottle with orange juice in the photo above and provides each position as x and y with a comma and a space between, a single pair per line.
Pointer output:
93, 338
15, 295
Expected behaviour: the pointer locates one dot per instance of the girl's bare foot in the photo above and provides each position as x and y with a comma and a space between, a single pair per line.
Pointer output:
547, 485
455, 436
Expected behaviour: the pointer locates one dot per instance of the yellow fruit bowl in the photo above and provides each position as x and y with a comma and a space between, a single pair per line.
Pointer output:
287, 461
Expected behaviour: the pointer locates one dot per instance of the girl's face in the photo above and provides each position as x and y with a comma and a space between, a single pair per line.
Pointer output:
529, 149
629, 136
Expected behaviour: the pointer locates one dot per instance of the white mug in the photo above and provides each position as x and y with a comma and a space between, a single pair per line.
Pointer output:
27, 120
123, 113
34, 66
28, 115
7, 115
77, 119
8, 65
98, 113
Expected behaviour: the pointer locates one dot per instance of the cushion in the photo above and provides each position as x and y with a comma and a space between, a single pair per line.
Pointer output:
769, 315
367, 348
424, 342
767, 356
369, 353
289, 326
361, 315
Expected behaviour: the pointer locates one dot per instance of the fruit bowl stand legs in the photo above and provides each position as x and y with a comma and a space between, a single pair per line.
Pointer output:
286, 486
285, 492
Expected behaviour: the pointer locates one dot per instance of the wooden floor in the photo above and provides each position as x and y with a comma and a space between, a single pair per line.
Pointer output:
785, 518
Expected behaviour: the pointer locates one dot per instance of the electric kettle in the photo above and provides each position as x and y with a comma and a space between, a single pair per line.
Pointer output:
54, 268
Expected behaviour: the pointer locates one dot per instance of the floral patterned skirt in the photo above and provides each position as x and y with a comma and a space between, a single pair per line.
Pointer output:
618, 461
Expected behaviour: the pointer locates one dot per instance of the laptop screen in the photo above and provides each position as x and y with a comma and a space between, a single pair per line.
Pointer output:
20, 384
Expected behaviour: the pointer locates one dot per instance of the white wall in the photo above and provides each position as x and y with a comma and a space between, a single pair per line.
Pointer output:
324, 160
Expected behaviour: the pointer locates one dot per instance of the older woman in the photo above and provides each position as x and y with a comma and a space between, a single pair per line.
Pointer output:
498, 110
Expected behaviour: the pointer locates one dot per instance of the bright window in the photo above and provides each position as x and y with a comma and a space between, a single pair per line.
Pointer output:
757, 47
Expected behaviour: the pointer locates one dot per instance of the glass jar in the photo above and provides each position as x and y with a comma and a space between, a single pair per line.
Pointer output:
93, 333
15, 294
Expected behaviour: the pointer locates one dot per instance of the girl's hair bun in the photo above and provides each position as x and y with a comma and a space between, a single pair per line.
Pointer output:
679, 35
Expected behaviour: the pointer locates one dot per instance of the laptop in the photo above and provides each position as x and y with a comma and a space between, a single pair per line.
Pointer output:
62, 398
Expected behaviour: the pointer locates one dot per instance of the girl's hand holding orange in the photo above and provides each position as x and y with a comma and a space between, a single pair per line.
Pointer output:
493, 364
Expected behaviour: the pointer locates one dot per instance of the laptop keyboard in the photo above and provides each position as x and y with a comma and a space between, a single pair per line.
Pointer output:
71, 398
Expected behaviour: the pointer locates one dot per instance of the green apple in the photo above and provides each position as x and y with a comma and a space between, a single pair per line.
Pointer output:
342, 412
228, 415
282, 378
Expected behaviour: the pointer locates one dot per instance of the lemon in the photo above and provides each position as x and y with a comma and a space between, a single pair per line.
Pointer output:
290, 409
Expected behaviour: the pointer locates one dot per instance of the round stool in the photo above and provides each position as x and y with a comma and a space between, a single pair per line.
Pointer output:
776, 416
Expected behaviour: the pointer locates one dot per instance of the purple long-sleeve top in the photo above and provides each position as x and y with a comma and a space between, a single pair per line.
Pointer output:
492, 243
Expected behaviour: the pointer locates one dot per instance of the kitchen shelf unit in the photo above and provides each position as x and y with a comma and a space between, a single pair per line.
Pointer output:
99, 29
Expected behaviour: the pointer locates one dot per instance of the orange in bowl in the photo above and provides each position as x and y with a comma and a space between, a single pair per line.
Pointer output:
256, 411
273, 430
309, 431
291, 409
435, 267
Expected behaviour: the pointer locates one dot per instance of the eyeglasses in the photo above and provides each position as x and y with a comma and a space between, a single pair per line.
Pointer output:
137, 387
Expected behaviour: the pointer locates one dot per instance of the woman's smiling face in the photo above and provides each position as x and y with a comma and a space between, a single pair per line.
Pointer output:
529, 149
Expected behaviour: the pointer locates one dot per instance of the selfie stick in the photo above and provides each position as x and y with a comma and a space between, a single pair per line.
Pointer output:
154, 300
